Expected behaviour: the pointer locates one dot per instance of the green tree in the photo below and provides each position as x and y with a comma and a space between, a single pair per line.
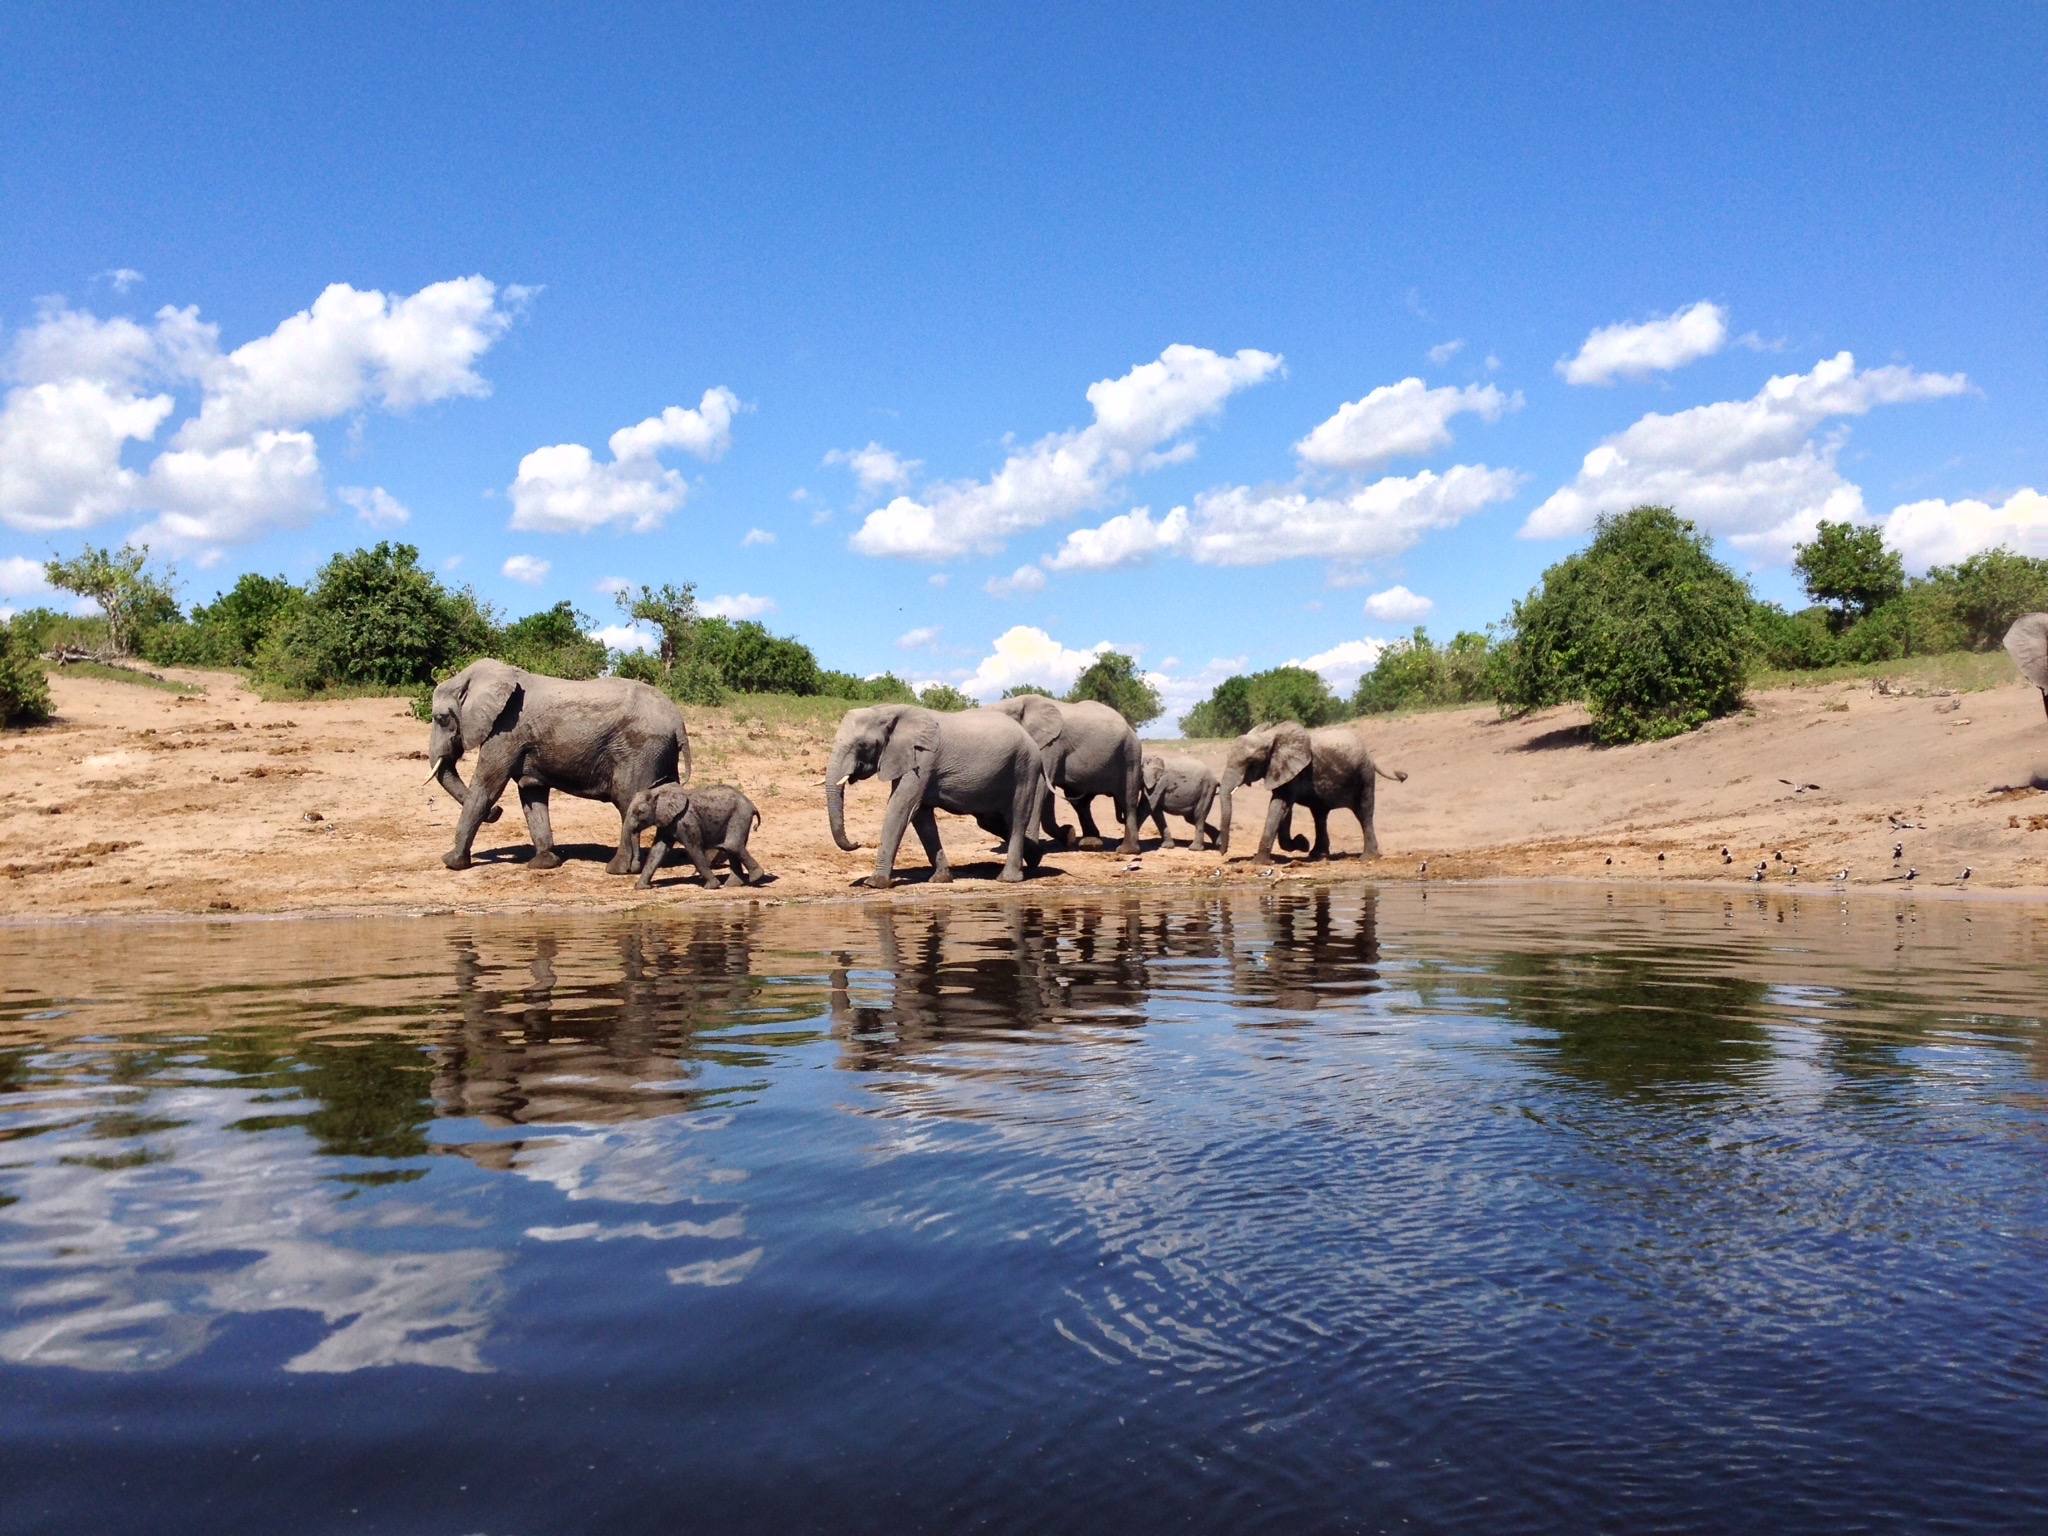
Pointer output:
1113, 679
1850, 570
228, 631
687, 670
24, 690
1292, 693
1417, 671
373, 617
1021, 689
552, 642
1644, 626
1987, 592
944, 698
133, 600
750, 660
883, 688
1226, 712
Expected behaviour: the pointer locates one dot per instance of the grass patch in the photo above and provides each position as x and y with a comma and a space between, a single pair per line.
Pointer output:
1964, 671
121, 675
776, 709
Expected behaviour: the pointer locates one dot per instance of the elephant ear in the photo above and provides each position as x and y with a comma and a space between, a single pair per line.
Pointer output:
1155, 769
2027, 641
491, 688
671, 804
912, 740
1291, 755
1040, 717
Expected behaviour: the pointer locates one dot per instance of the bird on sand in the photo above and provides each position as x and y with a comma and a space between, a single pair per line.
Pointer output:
1965, 874
1898, 852
1841, 874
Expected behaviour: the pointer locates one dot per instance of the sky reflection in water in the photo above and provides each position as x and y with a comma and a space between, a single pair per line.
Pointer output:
1485, 1210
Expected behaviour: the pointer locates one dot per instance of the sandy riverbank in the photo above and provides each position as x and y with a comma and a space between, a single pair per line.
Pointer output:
138, 801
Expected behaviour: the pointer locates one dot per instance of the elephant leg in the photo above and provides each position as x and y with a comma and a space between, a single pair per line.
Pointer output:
1321, 850
1288, 838
627, 859
1091, 838
1127, 813
1022, 847
484, 790
908, 793
1367, 801
926, 825
533, 800
749, 867
1277, 814
656, 856
702, 860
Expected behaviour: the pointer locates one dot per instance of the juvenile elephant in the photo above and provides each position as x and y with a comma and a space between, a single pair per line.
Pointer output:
1089, 750
711, 824
975, 763
1325, 770
600, 739
1185, 786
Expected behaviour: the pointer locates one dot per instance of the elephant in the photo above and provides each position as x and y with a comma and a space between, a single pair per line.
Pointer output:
977, 763
601, 739
1325, 770
2027, 643
711, 825
1186, 786
1089, 750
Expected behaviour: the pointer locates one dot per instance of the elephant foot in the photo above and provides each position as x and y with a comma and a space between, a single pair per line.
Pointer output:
874, 882
494, 813
1132, 847
1011, 875
618, 866
1090, 845
546, 858
942, 875
455, 860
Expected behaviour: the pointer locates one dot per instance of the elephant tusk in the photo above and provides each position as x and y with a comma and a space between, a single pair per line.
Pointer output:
433, 771
842, 782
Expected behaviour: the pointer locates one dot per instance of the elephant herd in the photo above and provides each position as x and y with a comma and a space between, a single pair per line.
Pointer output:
624, 743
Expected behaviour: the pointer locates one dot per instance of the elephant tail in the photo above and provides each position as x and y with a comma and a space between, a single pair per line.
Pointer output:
683, 752
1395, 773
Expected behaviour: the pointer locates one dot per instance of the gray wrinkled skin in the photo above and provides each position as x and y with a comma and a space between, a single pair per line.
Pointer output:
1325, 770
601, 739
1180, 786
1089, 750
710, 823
977, 763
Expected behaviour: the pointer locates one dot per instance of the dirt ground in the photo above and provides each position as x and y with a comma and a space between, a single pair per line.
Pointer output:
139, 801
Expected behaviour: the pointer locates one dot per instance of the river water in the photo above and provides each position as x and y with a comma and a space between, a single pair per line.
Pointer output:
1318, 1209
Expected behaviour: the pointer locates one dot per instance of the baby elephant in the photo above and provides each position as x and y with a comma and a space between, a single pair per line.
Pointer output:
711, 823
1186, 786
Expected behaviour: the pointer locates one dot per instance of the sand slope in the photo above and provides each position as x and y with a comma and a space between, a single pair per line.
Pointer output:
139, 801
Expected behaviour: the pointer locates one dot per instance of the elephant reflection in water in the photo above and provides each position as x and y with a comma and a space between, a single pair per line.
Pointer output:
532, 1049
1301, 952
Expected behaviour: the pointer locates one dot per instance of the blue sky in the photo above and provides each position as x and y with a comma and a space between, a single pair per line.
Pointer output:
801, 232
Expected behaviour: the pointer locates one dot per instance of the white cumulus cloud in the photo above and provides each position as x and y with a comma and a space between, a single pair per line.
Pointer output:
1138, 419
1024, 654
21, 577
910, 639
1026, 578
1635, 350
1238, 525
756, 536
527, 570
738, 605
876, 469
82, 387
1444, 351
1751, 469
375, 505
625, 637
564, 489
1342, 665
1943, 532
1182, 691
1397, 605
1397, 421
1123, 540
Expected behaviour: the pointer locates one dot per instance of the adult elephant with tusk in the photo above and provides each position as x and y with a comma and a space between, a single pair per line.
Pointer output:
975, 763
1324, 770
601, 739
1089, 750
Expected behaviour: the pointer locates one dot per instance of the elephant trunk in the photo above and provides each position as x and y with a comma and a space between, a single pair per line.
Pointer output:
835, 801
446, 776
1233, 775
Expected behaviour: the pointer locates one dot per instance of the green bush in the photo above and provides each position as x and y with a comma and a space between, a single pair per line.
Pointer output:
133, 601
1293, 693
1794, 641
228, 631
1112, 678
945, 699
1022, 689
24, 690
552, 642
886, 688
373, 618
1226, 712
1986, 592
44, 629
750, 660
1849, 569
1417, 671
1920, 622
1644, 626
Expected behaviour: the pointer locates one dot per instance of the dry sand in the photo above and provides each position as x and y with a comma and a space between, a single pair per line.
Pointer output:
137, 801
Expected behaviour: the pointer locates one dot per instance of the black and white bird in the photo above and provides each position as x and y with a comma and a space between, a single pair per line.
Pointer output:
1898, 852
1841, 874
1912, 874
1965, 874
1794, 871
